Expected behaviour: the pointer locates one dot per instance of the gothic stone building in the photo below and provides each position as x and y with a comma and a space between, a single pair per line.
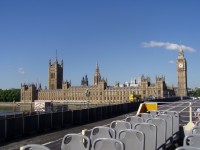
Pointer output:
100, 92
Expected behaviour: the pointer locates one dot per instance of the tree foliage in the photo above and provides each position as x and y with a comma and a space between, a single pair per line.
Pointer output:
194, 93
10, 95
197, 93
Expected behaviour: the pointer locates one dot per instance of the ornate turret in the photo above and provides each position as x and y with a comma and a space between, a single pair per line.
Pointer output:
146, 80
84, 81
158, 78
66, 85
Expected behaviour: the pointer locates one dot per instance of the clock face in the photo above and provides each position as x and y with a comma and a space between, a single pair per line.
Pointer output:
180, 65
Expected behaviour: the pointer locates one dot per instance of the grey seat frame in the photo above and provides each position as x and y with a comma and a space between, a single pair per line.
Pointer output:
150, 133
197, 123
132, 139
145, 116
119, 125
195, 130
107, 144
175, 123
134, 120
34, 147
77, 142
161, 125
192, 141
187, 148
103, 132
169, 128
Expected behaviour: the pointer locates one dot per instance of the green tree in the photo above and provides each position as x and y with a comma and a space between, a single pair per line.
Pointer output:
10, 95
197, 93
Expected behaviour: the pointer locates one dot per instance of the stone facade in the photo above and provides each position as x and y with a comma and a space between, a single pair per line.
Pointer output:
98, 93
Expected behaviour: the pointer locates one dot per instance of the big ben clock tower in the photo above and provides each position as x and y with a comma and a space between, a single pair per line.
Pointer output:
181, 66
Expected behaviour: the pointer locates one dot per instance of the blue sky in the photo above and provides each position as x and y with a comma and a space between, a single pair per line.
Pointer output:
127, 38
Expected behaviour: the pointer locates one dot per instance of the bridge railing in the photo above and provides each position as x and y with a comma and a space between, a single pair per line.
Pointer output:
31, 123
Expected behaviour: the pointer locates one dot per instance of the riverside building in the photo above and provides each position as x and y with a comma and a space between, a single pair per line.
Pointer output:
100, 92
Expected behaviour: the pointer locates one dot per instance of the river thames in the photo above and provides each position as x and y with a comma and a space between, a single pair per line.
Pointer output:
14, 108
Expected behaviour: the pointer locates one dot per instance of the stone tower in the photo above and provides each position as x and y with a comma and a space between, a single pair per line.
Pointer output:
55, 74
181, 66
145, 83
160, 86
97, 76
29, 93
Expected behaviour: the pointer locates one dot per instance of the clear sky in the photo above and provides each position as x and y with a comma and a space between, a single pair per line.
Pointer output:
127, 38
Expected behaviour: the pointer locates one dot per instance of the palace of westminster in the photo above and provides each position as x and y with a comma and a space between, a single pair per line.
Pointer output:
100, 93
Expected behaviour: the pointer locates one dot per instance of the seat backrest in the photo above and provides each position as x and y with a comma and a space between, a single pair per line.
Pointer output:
101, 132
168, 119
175, 123
150, 132
187, 148
196, 130
197, 123
120, 125
145, 116
107, 144
192, 141
132, 139
134, 120
75, 141
154, 112
34, 147
161, 131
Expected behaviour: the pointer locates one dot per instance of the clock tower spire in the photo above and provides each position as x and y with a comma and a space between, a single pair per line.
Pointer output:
181, 66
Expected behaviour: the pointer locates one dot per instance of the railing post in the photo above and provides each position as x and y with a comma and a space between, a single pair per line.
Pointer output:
72, 116
5, 126
187, 128
88, 114
62, 117
190, 112
23, 123
51, 121
38, 120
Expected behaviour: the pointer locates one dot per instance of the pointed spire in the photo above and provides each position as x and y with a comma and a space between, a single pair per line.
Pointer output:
56, 59
97, 70
62, 63
97, 66
49, 62
180, 53
97, 76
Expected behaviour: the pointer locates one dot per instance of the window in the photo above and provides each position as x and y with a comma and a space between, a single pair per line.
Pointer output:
52, 75
159, 92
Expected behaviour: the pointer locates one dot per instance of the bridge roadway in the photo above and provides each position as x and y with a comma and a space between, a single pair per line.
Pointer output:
53, 140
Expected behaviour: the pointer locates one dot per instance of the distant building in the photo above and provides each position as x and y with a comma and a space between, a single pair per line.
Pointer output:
100, 92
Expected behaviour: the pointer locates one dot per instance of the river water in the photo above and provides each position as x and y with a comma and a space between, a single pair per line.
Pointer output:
7, 109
